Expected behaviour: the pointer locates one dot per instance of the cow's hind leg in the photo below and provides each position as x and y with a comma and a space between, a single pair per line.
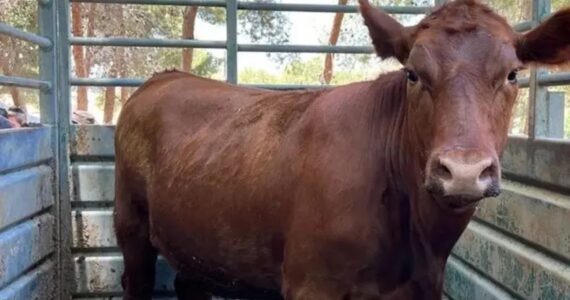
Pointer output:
187, 289
132, 230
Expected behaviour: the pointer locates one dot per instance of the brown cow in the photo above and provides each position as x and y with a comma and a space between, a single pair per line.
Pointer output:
353, 192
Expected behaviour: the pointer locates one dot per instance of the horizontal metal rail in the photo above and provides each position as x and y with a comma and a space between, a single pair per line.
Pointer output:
218, 3
291, 7
179, 43
410, 10
305, 48
106, 81
135, 82
25, 82
136, 42
544, 80
41, 41
555, 79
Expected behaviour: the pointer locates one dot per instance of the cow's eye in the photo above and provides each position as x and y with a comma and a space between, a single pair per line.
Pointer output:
412, 76
512, 77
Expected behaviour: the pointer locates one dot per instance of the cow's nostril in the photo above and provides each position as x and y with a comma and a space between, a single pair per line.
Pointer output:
443, 171
489, 172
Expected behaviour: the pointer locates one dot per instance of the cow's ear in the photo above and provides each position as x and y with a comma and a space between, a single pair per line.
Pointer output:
549, 43
389, 37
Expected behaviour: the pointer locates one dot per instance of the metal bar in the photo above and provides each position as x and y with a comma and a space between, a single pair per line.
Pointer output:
47, 65
412, 10
305, 48
134, 82
231, 46
61, 143
218, 3
554, 79
171, 43
25, 82
539, 9
544, 80
135, 42
24, 35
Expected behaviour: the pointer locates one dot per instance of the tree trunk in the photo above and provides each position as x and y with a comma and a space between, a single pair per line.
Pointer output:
18, 101
78, 55
110, 97
121, 54
8, 71
333, 39
109, 108
90, 33
188, 26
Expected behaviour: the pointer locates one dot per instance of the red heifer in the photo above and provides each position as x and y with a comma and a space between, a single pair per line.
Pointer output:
353, 192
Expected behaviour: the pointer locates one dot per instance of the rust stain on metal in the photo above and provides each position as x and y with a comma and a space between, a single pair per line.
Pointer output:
81, 143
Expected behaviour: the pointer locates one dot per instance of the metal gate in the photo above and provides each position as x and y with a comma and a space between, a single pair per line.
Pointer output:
59, 180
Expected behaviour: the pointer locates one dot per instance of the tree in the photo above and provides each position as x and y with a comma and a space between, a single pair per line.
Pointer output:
78, 54
333, 39
19, 58
188, 26
257, 26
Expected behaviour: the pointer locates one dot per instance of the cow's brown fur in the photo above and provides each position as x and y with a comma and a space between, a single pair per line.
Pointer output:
329, 194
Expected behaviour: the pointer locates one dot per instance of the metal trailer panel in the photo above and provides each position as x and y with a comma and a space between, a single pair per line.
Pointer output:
27, 219
100, 275
520, 268
464, 282
25, 193
36, 284
30, 219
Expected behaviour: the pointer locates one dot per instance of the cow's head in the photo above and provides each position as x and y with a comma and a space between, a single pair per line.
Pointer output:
461, 63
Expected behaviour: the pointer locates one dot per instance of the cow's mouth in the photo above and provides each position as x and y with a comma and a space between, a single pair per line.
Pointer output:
462, 203
459, 203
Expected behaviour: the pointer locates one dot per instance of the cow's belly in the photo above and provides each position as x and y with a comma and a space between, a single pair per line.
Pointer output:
218, 243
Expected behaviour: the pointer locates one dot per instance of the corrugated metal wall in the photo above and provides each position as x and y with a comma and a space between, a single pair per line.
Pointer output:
98, 261
27, 215
517, 247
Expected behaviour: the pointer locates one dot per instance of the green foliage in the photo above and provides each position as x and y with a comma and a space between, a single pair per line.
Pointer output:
257, 76
269, 27
307, 71
17, 57
213, 15
205, 64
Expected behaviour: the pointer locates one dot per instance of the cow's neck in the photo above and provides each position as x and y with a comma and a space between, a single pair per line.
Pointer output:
402, 160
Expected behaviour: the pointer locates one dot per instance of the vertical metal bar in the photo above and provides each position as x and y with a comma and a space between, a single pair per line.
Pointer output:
532, 96
231, 41
65, 271
47, 28
537, 94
